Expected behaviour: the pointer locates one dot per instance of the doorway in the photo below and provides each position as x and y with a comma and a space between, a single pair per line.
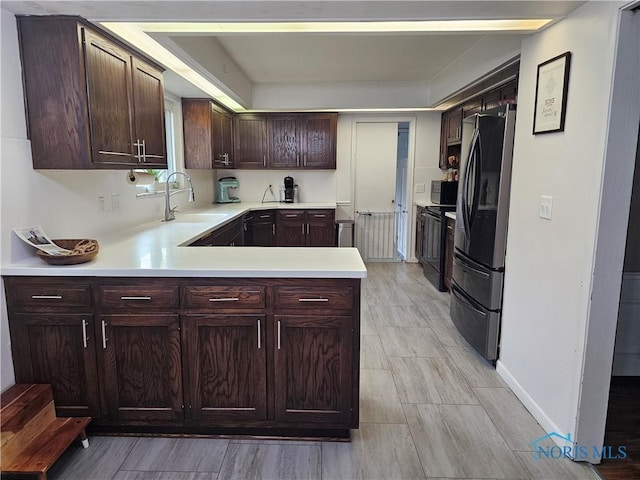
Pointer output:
382, 171
623, 415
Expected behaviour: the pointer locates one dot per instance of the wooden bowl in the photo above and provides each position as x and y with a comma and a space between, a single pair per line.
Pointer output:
85, 250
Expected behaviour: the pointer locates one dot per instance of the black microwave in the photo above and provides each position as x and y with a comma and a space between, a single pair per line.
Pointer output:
444, 193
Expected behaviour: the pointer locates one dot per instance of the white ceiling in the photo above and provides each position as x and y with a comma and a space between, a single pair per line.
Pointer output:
316, 58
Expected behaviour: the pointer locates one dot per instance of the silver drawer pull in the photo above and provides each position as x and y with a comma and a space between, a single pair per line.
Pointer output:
265, 216
104, 335
317, 215
46, 297
278, 334
84, 333
313, 299
227, 299
259, 340
146, 297
119, 154
291, 215
153, 156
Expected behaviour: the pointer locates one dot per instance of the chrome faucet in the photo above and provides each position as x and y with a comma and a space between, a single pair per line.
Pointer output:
168, 211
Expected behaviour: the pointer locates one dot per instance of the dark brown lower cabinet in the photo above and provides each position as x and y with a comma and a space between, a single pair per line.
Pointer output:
59, 349
141, 366
312, 365
191, 355
228, 370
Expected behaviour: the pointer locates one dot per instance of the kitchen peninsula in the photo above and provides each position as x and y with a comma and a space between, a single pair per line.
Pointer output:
157, 337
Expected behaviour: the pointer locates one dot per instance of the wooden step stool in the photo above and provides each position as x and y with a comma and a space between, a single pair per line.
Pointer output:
32, 438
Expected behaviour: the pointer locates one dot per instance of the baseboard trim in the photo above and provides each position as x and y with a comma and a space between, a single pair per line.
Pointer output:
527, 400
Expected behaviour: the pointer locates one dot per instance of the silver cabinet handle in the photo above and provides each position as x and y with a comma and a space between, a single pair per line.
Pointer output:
304, 160
84, 333
308, 227
278, 334
104, 335
147, 155
138, 155
144, 152
291, 215
265, 216
313, 299
120, 154
46, 297
273, 229
302, 228
298, 160
264, 160
259, 339
225, 299
318, 215
144, 297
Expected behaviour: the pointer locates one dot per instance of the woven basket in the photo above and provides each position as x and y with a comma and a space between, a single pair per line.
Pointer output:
87, 250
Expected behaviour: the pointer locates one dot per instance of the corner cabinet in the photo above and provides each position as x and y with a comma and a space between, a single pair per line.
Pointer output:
91, 102
208, 135
192, 355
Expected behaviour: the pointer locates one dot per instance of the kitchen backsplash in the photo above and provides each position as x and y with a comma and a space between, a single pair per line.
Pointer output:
313, 186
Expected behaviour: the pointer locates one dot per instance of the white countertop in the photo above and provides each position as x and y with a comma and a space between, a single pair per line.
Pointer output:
154, 250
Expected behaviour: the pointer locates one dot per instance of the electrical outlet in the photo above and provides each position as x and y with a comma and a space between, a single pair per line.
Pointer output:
546, 207
102, 208
420, 187
115, 202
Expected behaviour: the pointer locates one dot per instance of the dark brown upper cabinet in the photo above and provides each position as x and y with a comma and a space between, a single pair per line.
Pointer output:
208, 134
284, 134
250, 145
454, 126
291, 141
91, 101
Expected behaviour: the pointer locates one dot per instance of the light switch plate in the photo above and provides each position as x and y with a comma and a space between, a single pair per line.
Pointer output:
420, 187
546, 207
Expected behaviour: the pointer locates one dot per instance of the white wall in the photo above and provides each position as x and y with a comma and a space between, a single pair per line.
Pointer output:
550, 264
63, 202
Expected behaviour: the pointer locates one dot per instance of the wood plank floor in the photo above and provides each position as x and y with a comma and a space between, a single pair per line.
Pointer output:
430, 408
623, 428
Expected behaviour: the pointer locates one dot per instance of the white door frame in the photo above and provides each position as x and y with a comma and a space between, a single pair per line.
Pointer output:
412, 120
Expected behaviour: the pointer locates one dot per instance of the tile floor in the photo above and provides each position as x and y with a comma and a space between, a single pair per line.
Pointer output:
430, 409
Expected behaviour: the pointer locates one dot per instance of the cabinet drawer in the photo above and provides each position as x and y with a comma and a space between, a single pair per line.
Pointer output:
134, 297
321, 297
219, 297
26, 294
291, 215
264, 216
327, 215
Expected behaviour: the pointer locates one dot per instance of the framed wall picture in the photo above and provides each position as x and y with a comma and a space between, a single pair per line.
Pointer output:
551, 94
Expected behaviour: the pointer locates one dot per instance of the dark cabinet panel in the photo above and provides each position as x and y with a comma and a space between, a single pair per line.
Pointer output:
108, 70
291, 228
250, 141
228, 371
59, 349
321, 228
91, 101
264, 229
148, 112
306, 228
141, 366
283, 132
419, 233
313, 362
454, 126
208, 135
319, 149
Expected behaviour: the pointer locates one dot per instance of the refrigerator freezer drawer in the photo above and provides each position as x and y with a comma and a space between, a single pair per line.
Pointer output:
484, 285
480, 327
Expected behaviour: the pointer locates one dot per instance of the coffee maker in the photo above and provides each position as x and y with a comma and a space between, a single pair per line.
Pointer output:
222, 192
289, 190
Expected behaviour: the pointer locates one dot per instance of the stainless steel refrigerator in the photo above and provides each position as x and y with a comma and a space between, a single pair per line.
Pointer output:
482, 212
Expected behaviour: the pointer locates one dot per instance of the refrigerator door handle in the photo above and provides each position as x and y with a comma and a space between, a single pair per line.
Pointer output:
466, 304
465, 191
477, 171
473, 271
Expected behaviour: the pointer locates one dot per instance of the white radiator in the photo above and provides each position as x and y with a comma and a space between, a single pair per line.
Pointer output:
377, 235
